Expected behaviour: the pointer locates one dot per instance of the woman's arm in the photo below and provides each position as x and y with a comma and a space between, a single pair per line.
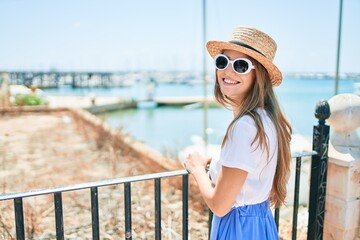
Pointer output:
220, 198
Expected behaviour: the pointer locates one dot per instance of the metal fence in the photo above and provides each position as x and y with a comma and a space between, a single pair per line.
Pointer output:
93, 187
316, 199
127, 181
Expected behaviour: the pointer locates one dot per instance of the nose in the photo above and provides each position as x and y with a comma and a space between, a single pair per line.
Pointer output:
229, 71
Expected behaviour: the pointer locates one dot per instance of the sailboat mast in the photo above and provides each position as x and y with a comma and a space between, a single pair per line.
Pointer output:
204, 76
338, 51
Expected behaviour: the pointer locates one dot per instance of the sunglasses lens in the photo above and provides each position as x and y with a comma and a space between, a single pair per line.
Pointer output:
241, 66
221, 62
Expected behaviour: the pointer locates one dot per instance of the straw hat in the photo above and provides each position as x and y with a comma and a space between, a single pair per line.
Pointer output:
253, 43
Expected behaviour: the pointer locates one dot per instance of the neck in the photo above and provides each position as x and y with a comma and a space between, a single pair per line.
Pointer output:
236, 108
235, 111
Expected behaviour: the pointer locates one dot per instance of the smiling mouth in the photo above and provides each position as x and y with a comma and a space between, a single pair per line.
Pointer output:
230, 82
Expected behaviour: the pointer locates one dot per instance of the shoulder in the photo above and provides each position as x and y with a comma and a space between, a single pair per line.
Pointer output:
245, 121
244, 127
246, 124
265, 118
248, 120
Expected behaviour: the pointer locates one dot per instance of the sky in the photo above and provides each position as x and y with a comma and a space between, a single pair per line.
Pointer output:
167, 35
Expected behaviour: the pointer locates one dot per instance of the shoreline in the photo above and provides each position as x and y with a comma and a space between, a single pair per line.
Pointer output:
107, 104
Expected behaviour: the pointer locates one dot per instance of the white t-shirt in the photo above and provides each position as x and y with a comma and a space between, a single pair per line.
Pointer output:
239, 153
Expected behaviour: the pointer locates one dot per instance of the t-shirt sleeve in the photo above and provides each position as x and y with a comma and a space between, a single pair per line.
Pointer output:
237, 151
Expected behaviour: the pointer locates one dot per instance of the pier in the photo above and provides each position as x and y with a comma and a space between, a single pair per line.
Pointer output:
54, 79
79, 79
106, 103
184, 101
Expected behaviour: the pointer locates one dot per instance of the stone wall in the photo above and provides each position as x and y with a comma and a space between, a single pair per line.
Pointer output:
156, 161
342, 217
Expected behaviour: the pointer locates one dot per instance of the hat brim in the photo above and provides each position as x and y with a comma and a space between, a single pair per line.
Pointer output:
218, 47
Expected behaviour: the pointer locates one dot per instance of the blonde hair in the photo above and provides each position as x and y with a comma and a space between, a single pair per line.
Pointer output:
263, 96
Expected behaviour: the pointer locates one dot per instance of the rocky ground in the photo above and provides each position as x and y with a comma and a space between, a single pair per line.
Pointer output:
39, 150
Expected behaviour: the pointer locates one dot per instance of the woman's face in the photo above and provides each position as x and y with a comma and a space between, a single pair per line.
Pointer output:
235, 86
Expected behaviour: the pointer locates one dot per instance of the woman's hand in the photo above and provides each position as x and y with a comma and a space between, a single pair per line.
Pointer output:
196, 162
221, 197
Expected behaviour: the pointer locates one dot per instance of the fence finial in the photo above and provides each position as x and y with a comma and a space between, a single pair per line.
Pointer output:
322, 111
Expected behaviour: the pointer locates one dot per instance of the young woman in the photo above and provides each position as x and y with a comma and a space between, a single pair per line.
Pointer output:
253, 168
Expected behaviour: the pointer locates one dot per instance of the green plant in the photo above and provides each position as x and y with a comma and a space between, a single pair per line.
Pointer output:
29, 100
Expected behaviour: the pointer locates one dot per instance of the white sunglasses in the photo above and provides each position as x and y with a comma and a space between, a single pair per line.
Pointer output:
239, 65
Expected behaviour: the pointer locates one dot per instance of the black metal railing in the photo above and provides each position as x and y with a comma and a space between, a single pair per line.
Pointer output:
318, 177
93, 186
298, 158
316, 197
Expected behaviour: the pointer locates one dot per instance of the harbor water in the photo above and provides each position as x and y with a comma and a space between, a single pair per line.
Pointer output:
170, 129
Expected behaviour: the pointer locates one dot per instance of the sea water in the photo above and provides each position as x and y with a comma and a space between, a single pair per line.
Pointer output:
170, 129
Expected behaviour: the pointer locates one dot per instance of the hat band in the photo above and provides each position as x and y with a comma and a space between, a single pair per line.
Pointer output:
246, 46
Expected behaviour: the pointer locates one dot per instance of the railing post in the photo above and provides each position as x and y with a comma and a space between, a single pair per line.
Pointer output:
211, 216
296, 197
319, 165
277, 217
59, 222
158, 208
19, 218
185, 199
95, 213
128, 223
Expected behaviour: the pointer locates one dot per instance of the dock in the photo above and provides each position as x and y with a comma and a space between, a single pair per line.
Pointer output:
184, 101
109, 103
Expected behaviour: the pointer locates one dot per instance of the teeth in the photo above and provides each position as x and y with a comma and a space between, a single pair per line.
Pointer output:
230, 81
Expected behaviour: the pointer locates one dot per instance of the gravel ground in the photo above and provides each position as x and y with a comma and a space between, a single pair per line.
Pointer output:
46, 150
39, 150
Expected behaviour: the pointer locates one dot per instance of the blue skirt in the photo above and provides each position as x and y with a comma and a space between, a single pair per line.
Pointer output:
246, 222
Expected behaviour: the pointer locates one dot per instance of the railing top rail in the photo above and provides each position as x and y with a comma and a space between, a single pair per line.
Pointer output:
80, 186
303, 154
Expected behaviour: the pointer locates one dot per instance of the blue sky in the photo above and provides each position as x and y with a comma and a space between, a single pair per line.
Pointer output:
115, 35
